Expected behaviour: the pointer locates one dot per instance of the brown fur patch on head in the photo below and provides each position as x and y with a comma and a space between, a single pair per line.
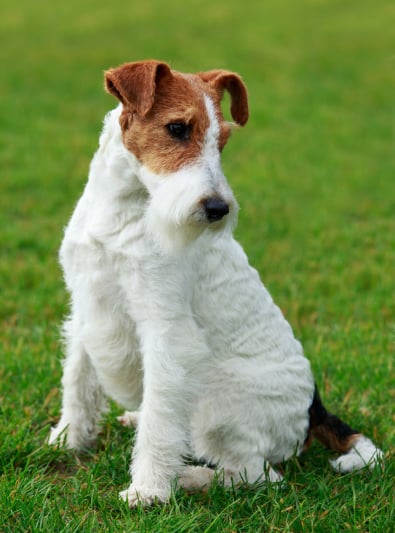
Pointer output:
154, 97
148, 137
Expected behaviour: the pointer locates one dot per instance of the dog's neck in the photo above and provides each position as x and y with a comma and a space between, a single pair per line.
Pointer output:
115, 169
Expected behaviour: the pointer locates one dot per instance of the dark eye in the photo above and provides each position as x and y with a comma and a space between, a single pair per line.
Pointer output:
179, 130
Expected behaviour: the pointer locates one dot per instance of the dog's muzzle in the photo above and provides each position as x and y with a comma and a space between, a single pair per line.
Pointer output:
215, 209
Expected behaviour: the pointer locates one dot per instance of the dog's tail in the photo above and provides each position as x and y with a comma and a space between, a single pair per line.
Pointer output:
357, 450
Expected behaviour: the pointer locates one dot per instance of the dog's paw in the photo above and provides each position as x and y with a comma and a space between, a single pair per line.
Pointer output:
129, 418
195, 478
57, 436
78, 439
272, 476
141, 495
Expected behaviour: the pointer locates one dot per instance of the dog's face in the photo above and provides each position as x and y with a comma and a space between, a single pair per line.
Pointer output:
173, 125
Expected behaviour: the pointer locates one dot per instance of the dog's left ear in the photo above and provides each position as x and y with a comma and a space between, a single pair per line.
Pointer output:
222, 80
134, 84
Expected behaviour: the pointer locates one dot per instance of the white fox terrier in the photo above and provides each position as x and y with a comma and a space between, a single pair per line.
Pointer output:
167, 316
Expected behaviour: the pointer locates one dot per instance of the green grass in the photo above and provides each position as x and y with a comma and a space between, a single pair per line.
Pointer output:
314, 174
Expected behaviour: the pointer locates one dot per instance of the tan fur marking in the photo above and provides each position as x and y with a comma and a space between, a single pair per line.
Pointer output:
154, 96
147, 137
330, 439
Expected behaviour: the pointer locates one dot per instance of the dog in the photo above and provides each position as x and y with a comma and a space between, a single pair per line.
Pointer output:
167, 316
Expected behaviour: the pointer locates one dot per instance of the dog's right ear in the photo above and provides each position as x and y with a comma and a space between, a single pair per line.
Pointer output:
134, 84
222, 80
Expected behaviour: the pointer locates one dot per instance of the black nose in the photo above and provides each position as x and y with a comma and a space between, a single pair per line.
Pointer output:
215, 209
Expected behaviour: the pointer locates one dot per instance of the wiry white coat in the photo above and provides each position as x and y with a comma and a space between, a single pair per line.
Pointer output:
168, 318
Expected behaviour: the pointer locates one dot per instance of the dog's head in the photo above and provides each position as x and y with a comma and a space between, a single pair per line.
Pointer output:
173, 125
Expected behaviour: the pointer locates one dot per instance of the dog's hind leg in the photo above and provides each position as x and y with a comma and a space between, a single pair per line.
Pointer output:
129, 419
357, 450
83, 400
195, 478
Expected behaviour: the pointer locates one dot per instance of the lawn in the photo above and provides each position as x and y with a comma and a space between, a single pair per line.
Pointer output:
314, 174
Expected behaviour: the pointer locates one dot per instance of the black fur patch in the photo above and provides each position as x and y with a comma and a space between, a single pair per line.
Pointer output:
328, 428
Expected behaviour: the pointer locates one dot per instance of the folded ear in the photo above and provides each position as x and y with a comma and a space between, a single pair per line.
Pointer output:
223, 80
134, 84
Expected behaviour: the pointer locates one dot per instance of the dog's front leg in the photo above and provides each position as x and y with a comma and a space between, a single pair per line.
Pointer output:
171, 353
83, 400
